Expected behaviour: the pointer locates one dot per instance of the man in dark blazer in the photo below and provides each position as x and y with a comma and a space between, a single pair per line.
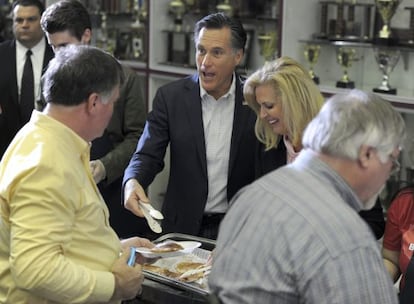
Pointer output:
28, 35
210, 132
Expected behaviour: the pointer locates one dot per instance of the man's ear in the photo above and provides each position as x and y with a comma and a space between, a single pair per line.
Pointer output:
239, 56
86, 36
365, 155
92, 103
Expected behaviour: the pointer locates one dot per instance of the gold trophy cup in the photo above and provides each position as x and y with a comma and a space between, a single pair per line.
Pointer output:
312, 54
267, 44
386, 9
177, 8
345, 57
387, 59
225, 7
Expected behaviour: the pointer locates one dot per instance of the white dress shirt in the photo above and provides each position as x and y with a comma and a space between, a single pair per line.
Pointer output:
37, 62
218, 125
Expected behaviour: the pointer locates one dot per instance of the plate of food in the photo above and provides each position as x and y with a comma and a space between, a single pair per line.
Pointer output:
169, 249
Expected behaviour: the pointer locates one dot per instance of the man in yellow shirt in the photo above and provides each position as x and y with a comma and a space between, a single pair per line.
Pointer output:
56, 244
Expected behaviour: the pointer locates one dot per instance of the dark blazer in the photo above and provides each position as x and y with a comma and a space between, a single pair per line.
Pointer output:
176, 119
267, 161
10, 121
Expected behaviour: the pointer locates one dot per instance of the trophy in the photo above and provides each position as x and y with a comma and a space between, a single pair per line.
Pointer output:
105, 38
225, 7
178, 40
267, 44
312, 54
386, 9
387, 59
138, 31
178, 9
345, 20
345, 57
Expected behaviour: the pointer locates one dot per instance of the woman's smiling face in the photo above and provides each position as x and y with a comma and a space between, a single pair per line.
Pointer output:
270, 108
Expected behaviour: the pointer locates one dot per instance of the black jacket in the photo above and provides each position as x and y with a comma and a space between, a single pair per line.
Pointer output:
10, 120
176, 120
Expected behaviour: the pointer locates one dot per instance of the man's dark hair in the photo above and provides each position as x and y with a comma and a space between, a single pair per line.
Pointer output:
66, 15
78, 71
219, 21
37, 3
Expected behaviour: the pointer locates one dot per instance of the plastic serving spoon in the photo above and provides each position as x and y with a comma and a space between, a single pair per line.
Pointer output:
152, 223
153, 212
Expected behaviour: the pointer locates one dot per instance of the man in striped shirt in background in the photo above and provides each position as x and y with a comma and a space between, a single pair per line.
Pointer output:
294, 236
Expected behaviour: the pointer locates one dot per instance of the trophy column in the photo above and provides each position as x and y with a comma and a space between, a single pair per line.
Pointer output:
345, 20
324, 20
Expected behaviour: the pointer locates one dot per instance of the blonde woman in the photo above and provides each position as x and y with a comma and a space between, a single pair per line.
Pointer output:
285, 99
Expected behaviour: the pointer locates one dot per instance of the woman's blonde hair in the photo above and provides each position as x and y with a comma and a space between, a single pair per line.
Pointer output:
300, 98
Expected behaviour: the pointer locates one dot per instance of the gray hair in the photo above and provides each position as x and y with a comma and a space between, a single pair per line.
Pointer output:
348, 121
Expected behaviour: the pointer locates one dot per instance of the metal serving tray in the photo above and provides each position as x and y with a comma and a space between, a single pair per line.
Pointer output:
201, 253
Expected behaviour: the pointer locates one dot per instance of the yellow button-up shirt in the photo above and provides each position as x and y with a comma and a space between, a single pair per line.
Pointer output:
56, 245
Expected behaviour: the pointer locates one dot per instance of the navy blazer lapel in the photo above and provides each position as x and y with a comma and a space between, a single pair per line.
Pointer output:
192, 102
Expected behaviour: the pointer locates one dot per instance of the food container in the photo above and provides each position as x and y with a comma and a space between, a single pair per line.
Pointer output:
158, 288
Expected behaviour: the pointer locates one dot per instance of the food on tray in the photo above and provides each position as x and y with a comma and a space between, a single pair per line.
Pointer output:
187, 265
167, 247
160, 270
185, 271
192, 278
191, 271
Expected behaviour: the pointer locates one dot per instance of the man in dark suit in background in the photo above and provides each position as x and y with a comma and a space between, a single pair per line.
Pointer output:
28, 35
210, 132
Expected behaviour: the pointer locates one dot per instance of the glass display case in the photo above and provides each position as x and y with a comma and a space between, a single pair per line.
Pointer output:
374, 56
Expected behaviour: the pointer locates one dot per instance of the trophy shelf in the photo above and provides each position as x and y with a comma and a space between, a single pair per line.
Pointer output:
171, 32
134, 64
356, 44
403, 101
366, 70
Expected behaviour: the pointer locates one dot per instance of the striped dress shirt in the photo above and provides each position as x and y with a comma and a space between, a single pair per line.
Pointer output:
294, 236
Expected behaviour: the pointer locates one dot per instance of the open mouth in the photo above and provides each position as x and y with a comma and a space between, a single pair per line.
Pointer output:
208, 76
